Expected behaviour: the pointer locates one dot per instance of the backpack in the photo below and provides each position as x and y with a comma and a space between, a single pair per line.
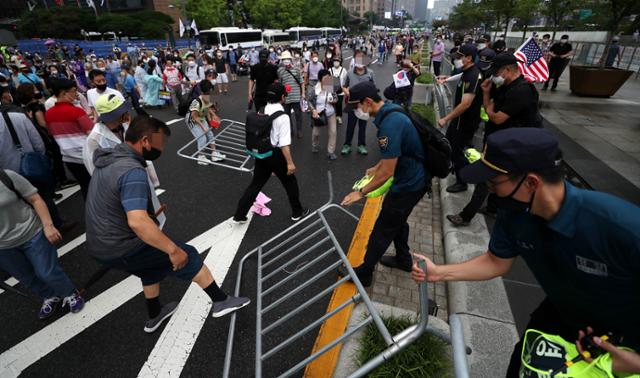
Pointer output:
258, 131
185, 103
436, 146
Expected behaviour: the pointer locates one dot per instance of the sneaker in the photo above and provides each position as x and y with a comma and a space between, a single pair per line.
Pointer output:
230, 304
202, 160
457, 220
346, 149
217, 156
339, 120
332, 156
365, 280
457, 187
315, 149
304, 213
362, 150
237, 220
75, 302
393, 262
165, 313
57, 197
49, 306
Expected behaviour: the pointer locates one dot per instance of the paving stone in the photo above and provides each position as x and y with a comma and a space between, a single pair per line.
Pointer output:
406, 305
384, 299
399, 293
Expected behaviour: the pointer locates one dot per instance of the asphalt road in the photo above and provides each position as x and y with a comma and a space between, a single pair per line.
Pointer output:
198, 198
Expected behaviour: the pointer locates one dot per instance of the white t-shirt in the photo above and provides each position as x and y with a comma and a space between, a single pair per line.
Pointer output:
281, 128
92, 95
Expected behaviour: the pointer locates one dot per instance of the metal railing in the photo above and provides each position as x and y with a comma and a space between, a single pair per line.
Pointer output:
229, 140
288, 248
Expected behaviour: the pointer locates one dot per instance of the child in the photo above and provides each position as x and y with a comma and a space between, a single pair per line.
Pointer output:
199, 114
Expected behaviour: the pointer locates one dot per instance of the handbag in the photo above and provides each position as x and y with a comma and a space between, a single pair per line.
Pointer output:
34, 166
322, 116
164, 94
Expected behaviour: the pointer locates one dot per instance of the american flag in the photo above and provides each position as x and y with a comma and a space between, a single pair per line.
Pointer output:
531, 62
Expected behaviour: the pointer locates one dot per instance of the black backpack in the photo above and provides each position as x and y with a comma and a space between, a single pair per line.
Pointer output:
436, 146
258, 131
185, 102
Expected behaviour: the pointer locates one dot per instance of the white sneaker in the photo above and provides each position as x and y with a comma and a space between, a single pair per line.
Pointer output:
217, 156
202, 160
339, 119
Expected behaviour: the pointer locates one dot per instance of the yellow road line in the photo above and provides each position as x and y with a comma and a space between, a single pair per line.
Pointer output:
335, 326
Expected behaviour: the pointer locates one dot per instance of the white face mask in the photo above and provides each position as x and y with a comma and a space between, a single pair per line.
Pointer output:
458, 63
286, 62
563, 40
315, 59
329, 56
361, 115
336, 64
192, 63
497, 80
482, 46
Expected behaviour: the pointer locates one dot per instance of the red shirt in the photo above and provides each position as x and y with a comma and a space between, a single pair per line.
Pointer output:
69, 125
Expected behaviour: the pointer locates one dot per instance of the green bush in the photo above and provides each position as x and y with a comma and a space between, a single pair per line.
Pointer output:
425, 111
425, 78
425, 358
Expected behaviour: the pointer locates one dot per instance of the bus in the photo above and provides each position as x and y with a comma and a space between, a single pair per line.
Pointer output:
231, 36
275, 37
331, 34
301, 34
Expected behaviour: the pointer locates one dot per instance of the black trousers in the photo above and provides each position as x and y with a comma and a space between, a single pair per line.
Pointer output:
352, 120
480, 193
81, 175
460, 138
391, 226
297, 111
259, 102
276, 164
436, 68
556, 67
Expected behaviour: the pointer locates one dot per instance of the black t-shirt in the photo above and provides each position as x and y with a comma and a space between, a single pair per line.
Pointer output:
560, 49
263, 75
519, 100
470, 82
220, 65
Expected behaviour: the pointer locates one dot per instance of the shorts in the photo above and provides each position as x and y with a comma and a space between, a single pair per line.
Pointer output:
152, 265
233, 68
222, 78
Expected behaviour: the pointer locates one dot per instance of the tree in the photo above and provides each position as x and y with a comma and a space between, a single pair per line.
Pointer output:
526, 10
615, 11
556, 11
57, 22
466, 15
372, 18
208, 13
439, 23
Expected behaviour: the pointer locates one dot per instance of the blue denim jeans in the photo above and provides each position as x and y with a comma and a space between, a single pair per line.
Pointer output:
35, 264
197, 132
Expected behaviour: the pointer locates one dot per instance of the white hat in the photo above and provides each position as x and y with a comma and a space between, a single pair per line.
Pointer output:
285, 55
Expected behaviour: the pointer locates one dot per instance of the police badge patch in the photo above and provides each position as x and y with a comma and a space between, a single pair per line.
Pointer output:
383, 142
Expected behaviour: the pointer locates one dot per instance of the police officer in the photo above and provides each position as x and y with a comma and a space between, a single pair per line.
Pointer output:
509, 101
465, 116
582, 246
402, 157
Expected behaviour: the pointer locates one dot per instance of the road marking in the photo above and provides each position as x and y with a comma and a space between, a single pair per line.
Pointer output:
67, 192
174, 121
336, 325
70, 246
172, 349
33, 348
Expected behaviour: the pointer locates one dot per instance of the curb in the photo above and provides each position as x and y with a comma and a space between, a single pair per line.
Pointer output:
483, 306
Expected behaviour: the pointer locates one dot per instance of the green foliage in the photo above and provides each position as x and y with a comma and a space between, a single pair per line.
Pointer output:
438, 23
425, 358
208, 13
468, 14
277, 14
425, 111
425, 78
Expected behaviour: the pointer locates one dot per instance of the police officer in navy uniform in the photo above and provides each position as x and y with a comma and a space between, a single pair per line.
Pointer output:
403, 158
582, 246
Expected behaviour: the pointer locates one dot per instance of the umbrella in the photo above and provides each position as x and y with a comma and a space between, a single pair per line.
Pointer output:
49, 42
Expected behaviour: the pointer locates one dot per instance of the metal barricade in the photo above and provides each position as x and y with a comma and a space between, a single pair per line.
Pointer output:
229, 139
286, 249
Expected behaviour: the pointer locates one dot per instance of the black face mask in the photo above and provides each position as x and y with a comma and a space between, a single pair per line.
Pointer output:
101, 87
511, 204
152, 154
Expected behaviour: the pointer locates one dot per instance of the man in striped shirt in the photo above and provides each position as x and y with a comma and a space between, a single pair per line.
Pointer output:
69, 126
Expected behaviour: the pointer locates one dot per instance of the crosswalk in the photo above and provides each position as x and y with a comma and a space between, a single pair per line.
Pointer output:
176, 341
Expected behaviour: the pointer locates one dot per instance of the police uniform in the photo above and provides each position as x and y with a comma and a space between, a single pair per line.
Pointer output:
586, 258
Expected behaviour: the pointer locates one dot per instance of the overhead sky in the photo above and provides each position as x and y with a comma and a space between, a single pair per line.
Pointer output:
430, 4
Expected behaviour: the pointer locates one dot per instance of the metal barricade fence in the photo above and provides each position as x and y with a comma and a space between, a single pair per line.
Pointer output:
229, 139
313, 240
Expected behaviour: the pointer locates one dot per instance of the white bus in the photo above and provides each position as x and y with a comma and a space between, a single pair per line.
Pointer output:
331, 34
301, 34
275, 37
231, 36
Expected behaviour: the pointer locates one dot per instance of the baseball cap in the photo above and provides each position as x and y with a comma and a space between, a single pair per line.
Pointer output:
501, 60
111, 107
514, 150
466, 50
277, 90
486, 58
361, 91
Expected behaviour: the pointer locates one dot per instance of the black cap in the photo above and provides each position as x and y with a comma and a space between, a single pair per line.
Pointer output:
467, 50
486, 58
361, 91
501, 60
275, 92
513, 151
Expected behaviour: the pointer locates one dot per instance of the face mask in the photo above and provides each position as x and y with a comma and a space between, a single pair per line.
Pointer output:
336, 64
152, 154
329, 56
315, 59
101, 87
458, 63
102, 69
297, 55
192, 63
512, 204
497, 80
219, 56
482, 46
54, 73
361, 115
271, 50
563, 40
286, 62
